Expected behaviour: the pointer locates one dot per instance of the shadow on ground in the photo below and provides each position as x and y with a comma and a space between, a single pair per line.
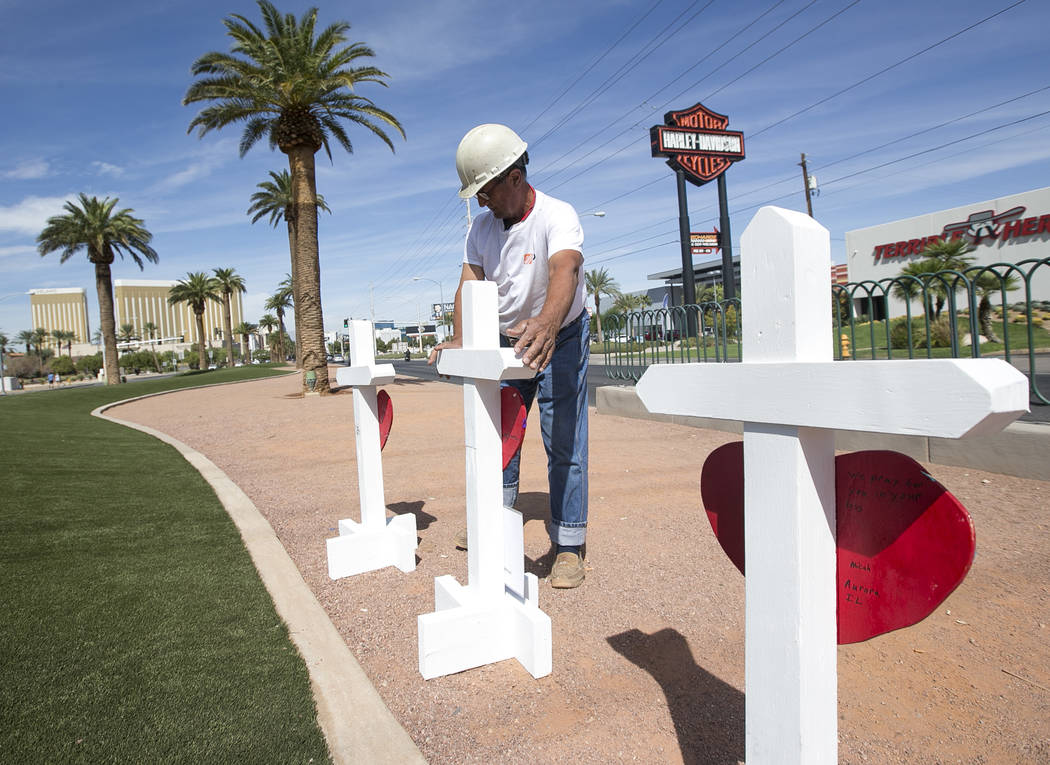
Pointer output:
708, 713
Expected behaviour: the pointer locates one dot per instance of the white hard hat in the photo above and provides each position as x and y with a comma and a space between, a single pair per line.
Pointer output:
485, 152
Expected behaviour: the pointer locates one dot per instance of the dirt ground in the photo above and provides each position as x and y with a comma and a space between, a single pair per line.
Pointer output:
649, 652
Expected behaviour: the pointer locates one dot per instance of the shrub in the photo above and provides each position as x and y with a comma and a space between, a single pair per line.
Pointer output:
62, 365
899, 334
940, 334
89, 365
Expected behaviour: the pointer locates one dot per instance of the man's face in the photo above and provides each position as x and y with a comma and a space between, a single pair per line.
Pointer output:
497, 194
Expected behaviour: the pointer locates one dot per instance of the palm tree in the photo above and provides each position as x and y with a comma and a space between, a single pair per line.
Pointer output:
94, 226
296, 89
229, 281
127, 334
196, 290
151, 329
66, 336
245, 329
40, 336
600, 283
275, 199
625, 303
26, 338
278, 302
945, 255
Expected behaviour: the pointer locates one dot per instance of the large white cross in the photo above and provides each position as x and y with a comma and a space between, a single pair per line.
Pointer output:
791, 396
376, 542
497, 615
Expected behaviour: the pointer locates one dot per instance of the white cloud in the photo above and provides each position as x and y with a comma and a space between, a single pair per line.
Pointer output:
17, 251
30, 215
105, 168
28, 170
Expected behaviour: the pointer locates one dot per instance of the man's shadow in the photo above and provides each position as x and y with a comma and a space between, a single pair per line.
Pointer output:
708, 713
535, 506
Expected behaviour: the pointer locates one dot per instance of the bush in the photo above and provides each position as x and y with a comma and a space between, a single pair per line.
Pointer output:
23, 367
899, 334
940, 334
89, 365
62, 365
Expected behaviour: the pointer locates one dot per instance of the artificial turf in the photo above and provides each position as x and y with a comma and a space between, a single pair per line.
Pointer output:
133, 625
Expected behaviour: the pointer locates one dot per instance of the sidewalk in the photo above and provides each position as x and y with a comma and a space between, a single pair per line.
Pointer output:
648, 653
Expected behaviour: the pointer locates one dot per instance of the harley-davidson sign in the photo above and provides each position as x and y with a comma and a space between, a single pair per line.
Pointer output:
695, 141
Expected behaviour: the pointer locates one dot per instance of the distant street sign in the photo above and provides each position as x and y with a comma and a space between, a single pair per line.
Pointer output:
704, 242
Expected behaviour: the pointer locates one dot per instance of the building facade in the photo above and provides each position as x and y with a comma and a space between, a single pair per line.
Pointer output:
1012, 230
61, 308
142, 301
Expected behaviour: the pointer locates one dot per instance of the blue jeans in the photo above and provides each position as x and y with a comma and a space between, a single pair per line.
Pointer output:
562, 389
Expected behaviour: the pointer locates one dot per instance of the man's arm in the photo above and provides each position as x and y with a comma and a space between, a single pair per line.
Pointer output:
470, 273
537, 335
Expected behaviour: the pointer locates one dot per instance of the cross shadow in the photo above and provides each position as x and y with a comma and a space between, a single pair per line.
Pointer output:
708, 713
423, 520
535, 506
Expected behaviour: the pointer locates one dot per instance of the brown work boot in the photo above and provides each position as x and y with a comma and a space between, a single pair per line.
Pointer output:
567, 571
461, 539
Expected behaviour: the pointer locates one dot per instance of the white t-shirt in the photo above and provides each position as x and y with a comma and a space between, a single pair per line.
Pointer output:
516, 258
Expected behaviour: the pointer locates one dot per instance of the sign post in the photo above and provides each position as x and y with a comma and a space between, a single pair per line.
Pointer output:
790, 396
377, 541
700, 149
497, 615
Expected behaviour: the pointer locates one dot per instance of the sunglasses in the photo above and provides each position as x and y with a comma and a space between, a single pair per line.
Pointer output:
483, 196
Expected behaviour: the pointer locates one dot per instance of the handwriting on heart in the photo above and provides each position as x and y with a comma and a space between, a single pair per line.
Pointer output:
513, 416
903, 542
386, 416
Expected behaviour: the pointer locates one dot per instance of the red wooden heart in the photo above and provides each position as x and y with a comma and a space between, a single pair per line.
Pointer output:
904, 543
386, 416
513, 415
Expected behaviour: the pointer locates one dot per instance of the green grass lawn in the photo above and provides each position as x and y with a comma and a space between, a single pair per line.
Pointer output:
1017, 334
134, 625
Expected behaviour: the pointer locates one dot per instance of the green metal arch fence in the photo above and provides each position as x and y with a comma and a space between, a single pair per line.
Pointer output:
949, 313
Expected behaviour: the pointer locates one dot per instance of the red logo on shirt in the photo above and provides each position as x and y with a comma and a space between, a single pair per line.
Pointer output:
529, 257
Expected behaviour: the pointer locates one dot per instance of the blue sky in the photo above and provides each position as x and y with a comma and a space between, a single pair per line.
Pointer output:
92, 103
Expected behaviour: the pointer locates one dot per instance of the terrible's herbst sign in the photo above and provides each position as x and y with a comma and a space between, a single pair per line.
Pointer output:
695, 140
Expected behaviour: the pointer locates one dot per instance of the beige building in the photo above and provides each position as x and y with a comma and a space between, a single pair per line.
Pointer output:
140, 301
62, 308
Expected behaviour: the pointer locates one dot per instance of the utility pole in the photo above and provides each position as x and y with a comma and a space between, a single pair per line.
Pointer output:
805, 185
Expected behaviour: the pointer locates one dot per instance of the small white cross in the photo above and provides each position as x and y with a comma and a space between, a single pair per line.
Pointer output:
375, 542
791, 396
496, 616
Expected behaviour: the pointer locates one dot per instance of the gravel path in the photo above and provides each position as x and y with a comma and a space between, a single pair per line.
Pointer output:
648, 653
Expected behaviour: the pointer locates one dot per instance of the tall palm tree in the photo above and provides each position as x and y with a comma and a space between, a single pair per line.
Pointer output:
150, 329
26, 338
196, 290
278, 302
94, 226
267, 322
275, 199
245, 329
295, 88
599, 283
40, 336
66, 336
229, 281
127, 333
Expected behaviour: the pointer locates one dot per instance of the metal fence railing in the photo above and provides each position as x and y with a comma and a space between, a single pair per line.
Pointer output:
971, 312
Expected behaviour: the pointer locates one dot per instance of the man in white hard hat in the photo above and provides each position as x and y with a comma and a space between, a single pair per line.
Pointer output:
531, 245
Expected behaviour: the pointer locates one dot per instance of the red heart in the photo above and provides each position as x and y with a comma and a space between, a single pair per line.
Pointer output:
513, 415
386, 416
904, 543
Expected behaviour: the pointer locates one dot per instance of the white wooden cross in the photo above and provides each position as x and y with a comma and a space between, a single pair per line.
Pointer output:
791, 396
377, 541
497, 615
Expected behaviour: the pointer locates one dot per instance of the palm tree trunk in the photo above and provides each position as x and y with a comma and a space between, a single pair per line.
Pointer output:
984, 317
227, 327
280, 336
304, 192
295, 292
107, 324
202, 352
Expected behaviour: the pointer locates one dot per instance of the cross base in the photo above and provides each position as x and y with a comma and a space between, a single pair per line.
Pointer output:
467, 631
360, 548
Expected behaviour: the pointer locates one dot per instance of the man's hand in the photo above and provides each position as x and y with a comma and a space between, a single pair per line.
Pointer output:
435, 352
536, 338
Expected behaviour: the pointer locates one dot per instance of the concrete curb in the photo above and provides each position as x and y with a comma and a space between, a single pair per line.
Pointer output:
1020, 450
355, 721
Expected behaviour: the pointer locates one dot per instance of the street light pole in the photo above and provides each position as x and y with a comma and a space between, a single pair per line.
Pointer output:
441, 292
